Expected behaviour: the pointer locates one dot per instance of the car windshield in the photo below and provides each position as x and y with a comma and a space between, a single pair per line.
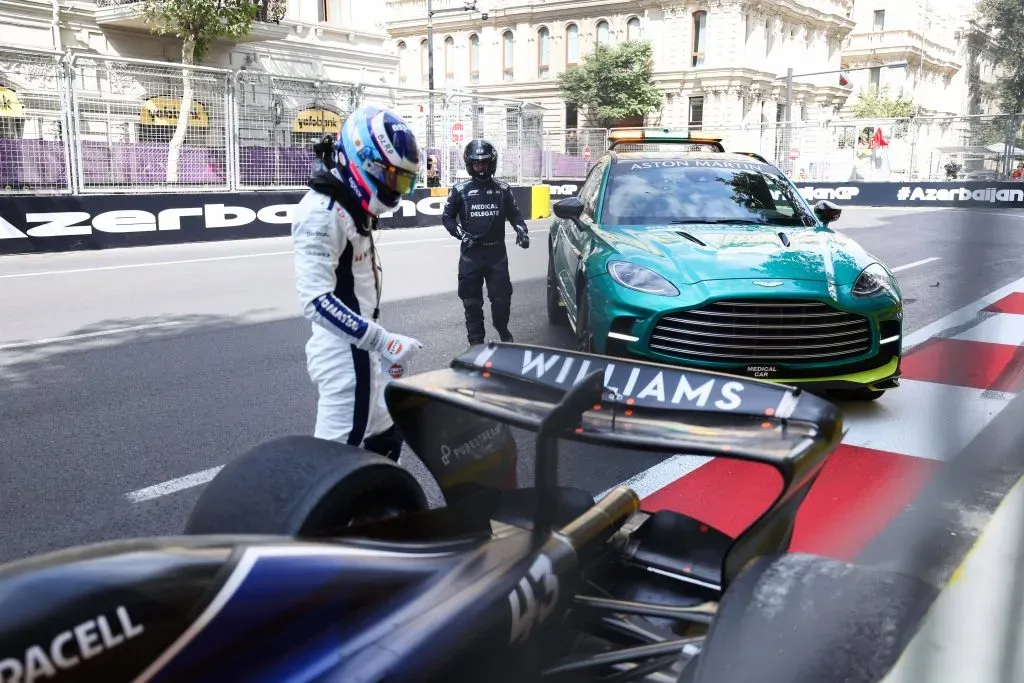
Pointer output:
700, 191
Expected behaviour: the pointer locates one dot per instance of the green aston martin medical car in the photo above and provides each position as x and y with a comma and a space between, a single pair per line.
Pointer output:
690, 255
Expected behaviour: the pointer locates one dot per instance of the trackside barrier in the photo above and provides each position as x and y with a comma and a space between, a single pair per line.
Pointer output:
84, 222
1006, 195
966, 194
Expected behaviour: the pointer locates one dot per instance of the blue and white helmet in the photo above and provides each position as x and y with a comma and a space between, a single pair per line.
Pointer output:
378, 158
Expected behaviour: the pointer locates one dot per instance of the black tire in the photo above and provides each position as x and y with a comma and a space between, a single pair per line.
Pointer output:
303, 486
857, 395
584, 337
805, 619
556, 312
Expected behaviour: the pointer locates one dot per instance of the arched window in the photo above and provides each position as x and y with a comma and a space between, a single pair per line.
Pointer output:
572, 44
633, 29
700, 27
401, 61
449, 60
424, 72
602, 33
508, 54
474, 58
543, 51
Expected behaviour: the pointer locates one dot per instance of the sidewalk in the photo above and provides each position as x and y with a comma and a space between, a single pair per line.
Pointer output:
974, 633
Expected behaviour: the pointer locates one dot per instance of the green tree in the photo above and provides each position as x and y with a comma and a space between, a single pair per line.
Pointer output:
613, 83
875, 104
198, 24
1003, 22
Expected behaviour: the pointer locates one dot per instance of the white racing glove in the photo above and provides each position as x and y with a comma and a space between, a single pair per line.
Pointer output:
393, 348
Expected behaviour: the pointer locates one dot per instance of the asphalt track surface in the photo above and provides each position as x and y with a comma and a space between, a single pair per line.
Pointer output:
128, 376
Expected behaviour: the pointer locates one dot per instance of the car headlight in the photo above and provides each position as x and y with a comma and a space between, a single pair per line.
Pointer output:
874, 281
641, 279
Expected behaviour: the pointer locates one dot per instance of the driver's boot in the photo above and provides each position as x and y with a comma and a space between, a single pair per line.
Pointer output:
501, 311
475, 331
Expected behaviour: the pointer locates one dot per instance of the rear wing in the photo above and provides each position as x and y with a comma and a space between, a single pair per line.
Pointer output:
645, 406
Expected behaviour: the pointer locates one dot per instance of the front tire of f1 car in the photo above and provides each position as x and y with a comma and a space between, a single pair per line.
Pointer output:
799, 618
303, 486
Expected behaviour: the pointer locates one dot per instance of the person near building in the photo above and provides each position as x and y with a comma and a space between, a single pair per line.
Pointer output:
350, 355
475, 214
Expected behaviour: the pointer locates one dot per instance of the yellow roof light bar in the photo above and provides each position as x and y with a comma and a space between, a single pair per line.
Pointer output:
619, 136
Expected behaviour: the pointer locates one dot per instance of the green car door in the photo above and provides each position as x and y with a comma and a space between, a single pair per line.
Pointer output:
570, 243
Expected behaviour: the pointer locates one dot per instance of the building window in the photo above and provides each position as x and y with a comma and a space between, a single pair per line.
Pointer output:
424, 63
474, 58
330, 11
879, 19
401, 61
543, 52
633, 29
700, 23
602, 33
508, 44
449, 60
696, 119
876, 77
572, 44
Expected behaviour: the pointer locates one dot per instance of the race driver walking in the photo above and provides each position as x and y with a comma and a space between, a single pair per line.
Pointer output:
375, 161
482, 205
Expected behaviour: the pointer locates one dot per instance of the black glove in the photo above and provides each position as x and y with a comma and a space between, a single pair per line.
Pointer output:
467, 240
522, 237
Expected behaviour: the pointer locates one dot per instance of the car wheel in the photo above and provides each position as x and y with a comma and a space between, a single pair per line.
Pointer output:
584, 337
304, 486
858, 395
556, 312
799, 618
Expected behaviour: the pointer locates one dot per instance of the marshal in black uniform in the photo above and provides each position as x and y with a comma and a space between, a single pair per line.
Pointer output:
482, 205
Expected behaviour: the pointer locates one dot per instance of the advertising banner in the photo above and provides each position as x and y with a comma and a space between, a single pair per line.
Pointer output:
969, 195
46, 224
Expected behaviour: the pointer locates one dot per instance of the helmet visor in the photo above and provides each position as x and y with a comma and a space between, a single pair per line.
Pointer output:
480, 165
397, 180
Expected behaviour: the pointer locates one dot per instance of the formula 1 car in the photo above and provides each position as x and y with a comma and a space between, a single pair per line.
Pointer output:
307, 560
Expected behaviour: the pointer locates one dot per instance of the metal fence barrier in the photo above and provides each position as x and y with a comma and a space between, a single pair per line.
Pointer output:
82, 124
88, 124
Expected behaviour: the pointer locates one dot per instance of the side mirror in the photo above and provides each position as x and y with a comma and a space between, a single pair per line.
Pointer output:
827, 212
569, 209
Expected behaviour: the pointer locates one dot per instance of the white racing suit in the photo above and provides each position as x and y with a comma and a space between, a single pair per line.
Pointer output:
337, 281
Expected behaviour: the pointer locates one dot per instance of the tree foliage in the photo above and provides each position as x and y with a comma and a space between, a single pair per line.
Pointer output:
198, 24
875, 104
613, 83
1003, 22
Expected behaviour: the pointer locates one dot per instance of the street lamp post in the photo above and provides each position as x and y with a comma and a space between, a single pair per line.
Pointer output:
466, 7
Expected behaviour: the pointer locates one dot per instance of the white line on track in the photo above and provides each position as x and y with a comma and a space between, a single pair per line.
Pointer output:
174, 485
86, 335
915, 264
208, 259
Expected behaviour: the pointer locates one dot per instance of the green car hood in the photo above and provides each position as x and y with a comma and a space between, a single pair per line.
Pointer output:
730, 252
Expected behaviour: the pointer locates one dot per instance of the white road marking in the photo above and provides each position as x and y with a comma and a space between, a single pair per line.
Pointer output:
915, 264
145, 265
661, 475
208, 259
904, 420
967, 314
175, 485
86, 335
1001, 328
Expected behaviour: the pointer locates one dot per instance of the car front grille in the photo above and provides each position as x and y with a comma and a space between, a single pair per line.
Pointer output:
760, 331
